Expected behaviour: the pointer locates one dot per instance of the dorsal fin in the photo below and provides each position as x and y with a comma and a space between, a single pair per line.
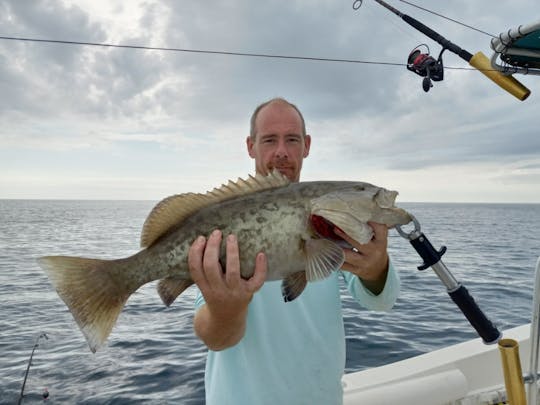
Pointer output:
174, 209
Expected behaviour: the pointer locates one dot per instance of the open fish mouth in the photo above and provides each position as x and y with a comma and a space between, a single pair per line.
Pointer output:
326, 229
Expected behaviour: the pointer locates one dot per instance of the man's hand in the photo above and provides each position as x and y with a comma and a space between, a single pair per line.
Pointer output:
368, 261
220, 323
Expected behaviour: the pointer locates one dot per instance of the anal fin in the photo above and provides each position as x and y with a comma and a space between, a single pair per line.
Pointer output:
293, 285
171, 287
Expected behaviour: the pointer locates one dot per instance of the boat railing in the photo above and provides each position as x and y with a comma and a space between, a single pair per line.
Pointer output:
532, 377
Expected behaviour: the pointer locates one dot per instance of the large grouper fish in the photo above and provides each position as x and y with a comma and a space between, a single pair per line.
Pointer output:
293, 223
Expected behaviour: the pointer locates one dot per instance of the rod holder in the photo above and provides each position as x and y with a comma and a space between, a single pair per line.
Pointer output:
513, 376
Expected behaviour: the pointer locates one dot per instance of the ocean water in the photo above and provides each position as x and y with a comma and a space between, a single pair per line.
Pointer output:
152, 355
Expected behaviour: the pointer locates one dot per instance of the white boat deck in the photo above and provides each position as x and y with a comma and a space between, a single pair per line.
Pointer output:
467, 373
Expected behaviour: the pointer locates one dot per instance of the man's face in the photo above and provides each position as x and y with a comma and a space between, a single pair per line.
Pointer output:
279, 142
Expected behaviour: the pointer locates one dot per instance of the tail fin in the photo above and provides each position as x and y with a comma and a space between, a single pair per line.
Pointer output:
91, 294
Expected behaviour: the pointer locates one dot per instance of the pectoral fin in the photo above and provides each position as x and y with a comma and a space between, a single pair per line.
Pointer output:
323, 257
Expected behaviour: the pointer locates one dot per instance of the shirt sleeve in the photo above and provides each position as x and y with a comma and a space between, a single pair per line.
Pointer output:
199, 300
381, 302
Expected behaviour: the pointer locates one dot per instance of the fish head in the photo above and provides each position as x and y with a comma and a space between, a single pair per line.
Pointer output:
350, 209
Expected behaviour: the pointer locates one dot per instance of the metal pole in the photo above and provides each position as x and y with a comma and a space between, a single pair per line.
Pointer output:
532, 377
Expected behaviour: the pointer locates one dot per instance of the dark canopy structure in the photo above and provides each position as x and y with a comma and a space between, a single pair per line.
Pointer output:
518, 50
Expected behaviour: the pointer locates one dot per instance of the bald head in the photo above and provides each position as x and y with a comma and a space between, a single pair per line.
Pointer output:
277, 100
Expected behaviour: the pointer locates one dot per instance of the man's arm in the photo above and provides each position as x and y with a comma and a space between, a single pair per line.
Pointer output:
220, 323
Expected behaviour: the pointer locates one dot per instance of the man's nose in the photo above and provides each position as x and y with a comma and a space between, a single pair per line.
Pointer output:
281, 151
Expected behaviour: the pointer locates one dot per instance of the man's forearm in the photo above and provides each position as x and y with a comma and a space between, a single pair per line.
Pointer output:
376, 286
219, 334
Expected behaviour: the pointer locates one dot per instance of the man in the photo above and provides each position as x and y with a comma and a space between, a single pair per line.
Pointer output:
261, 349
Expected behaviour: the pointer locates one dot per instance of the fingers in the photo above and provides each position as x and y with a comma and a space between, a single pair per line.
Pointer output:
195, 261
206, 270
369, 261
259, 275
203, 261
232, 275
380, 231
211, 265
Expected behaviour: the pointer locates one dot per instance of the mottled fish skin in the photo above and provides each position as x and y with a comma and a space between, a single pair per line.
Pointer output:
267, 214
274, 221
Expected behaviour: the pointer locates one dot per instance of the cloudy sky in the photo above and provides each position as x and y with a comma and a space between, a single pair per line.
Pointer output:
81, 122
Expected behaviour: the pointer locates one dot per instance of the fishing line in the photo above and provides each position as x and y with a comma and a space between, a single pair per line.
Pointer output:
392, 21
211, 52
358, 3
203, 51
448, 18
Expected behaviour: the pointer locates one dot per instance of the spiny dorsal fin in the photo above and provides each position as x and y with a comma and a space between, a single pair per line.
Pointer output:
174, 209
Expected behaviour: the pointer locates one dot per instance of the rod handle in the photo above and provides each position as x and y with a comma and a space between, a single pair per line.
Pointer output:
486, 330
508, 83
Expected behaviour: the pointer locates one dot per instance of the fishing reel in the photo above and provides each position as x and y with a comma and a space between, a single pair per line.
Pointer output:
425, 65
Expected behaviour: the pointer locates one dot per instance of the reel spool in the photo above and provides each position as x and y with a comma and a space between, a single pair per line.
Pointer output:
425, 65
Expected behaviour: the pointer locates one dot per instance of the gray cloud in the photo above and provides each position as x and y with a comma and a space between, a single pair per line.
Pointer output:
90, 97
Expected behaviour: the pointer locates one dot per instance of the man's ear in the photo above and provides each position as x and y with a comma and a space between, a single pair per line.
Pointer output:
307, 145
250, 145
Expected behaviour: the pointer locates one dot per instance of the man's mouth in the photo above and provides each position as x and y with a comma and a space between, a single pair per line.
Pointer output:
283, 169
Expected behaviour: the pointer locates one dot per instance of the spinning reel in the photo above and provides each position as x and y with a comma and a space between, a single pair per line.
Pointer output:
426, 66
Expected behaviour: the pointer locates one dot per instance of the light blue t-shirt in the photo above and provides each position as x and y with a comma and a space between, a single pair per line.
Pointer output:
292, 352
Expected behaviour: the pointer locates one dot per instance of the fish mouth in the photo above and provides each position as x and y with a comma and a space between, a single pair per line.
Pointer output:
326, 229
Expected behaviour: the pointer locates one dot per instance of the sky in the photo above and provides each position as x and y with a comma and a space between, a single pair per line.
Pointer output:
81, 122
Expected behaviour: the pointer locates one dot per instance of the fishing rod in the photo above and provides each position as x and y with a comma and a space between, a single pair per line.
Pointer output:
432, 69
45, 393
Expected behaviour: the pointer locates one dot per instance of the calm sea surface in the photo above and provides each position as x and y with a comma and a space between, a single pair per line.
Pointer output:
152, 355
